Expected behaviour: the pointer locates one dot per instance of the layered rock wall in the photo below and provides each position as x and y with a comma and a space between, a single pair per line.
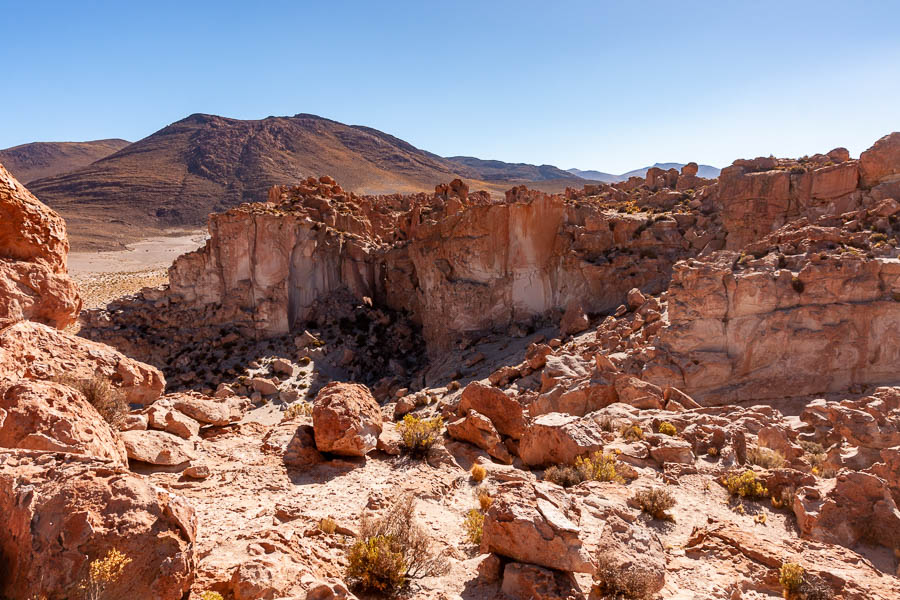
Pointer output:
458, 264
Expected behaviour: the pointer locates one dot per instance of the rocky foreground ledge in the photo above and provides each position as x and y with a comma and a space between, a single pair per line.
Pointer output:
669, 387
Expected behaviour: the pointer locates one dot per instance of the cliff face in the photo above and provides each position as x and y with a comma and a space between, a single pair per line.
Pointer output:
457, 263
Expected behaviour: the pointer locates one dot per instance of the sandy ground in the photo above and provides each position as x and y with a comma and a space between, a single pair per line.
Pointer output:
105, 276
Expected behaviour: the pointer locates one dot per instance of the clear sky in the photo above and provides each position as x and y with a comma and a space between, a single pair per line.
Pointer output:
609, 85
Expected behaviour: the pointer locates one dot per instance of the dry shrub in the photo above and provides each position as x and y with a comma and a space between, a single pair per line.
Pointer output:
392, 549
101, 394
485, 500
765, 457
667, 428
655, 502
563, 475
599, 466
419, 435
790, 576
632, 432
474, 525
208, 595
814, 588
103, 572
745, 485
614, 583
374, 564
478, 473
297, 410
328, 525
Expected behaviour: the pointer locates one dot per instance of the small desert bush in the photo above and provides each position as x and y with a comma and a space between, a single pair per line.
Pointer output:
612, 582
474, 525
485, 499
375, 564
599, 466
328, 525
632, 432
667, 428
606, 423
563, 475
103, 572
790, 577
392, 549
297, 410
478, 473
419, 435
655, 502
101, 394
814, 588
208, 595
765, 457
745, 485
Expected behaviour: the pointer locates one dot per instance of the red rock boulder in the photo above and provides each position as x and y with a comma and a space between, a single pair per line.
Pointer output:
346, 419
53, 417
62, 511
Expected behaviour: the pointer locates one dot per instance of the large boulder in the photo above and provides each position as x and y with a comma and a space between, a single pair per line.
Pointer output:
536, 523
207, 410
346, 419
54, 417
62, 511
537, 583
29, 230
35, 292
631, 552
158, 448
477, 429
505, 412
556, 438
34, 351
33, 250
880, 162
853, 507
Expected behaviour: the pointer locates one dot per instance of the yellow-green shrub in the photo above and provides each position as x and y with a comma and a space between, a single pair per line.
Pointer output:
655, 501
419, 435
474, 525
599, 466
790, 577
667, 428
745, 485
376, 564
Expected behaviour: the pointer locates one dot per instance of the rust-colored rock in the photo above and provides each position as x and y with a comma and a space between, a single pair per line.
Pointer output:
505, 412
881, 162
62, 511
33, 250
538, 524
53, 417
346, 419
33, 351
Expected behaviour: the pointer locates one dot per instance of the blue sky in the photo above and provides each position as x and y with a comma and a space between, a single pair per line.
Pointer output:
596, 85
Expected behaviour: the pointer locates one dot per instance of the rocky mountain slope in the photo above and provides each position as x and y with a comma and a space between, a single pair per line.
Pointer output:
671, 387
30, 162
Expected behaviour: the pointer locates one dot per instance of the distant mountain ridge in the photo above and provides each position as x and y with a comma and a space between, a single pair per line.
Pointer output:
496, 170
707, 171
29, 162
112, 193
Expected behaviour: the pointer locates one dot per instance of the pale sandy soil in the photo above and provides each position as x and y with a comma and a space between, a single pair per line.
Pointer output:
105, 276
